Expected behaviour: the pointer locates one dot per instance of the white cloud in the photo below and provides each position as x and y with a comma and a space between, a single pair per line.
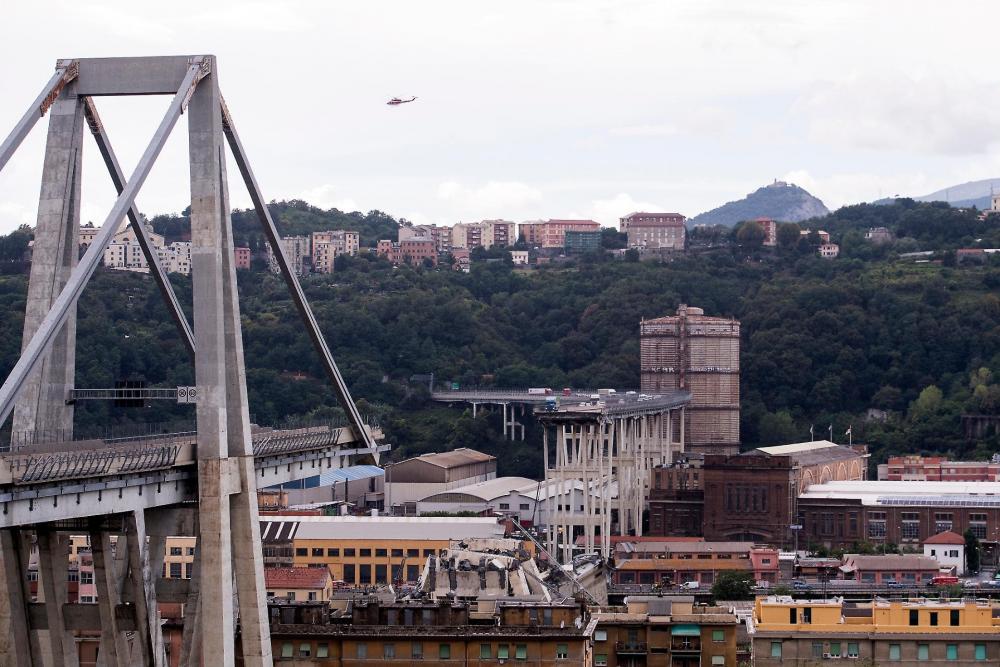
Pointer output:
493, 199
325, 196
945, 116
661, 130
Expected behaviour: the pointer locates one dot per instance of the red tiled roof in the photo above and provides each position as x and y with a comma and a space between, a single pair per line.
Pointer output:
947, 537
296, 577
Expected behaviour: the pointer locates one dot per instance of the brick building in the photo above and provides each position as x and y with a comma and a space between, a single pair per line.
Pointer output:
680, 483
752, 496
408, 252
242, 257
669, 563
552, 233
938, 469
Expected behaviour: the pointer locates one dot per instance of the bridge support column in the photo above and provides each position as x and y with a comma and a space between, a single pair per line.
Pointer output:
53, 563
15, 642
42, 405
114, 650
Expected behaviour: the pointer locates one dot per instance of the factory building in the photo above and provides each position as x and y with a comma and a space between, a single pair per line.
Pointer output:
692, 352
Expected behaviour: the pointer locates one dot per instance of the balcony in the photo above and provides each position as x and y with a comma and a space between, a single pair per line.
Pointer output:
685, 646
631, 648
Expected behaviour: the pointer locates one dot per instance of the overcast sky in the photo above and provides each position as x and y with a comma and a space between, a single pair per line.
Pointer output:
538, 109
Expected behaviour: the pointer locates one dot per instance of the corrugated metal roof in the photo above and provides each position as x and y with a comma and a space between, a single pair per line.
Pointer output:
487, 490
455, 458
796, 448
349, 474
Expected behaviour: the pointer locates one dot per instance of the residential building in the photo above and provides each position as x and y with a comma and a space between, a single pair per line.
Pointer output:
297, 584
664, 630
483, 234
368, 550
837, 514
421, 476
408, 252
700, 354
296, 249
463, 259
938, 469
323, 252
995, 203
124, 252
420, 632
441, 236
770, 228
829, 250
552, 233
800, 633
824, 237
519, 257
655, 231
578, 241
176, 257
948, 549
242, 258
881, 569
879, 235
86, 236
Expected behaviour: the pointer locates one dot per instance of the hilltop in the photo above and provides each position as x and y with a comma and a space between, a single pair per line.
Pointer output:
782, 201
966, 195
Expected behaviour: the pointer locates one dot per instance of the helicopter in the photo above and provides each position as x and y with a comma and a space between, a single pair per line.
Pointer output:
397, 101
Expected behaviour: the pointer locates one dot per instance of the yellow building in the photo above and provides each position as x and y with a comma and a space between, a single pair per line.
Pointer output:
802, 632
297, 584
372, 550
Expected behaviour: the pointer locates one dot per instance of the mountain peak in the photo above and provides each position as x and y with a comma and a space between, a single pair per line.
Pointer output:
779, 200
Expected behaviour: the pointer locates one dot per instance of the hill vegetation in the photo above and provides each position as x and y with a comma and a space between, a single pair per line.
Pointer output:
898, 351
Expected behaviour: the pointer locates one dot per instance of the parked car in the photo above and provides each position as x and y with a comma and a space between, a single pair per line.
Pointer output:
892, 583
799, 585
690, 586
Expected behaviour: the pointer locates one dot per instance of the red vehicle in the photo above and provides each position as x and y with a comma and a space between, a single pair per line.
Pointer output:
943, 580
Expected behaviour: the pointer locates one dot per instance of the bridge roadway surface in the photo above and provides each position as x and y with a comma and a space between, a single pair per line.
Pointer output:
63, 481
625, 403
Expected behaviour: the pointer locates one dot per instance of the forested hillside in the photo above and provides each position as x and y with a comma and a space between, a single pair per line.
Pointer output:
823, 341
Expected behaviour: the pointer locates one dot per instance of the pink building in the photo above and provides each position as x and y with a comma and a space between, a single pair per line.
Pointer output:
409, 252
242, 258
938, 469
770, 228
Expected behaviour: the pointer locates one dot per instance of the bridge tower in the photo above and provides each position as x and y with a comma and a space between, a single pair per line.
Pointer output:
127, 539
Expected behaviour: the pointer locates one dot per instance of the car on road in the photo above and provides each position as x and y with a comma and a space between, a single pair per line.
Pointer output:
892, 583
690, 586
799, 585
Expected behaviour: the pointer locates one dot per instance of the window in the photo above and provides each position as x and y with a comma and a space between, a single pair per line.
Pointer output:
317, 552
365, 575
362, 650
923, 652
562, 651
852, 650
505, 506
934, 618
523, 506
980, 651
187, 570
388, 650
977, 524
175, 551
718, 635
287, 650
333, 553
775, 649
942, 522
413, 553
397, 553
175, 570
301, 551
835, 649
951, 652
366, 553
380, 553
305, 650
323, 650
349, 573
86, 577
86, 599
911, 526
817, 649
428, 552
485, 651
417, 651
190, 551
380, 574
348, 553
793, 615
600, 635
291, 596
954, 617
914, 617
311, 595
718, 660
894, 651
600, 660
521, 652
444, 651
503, 652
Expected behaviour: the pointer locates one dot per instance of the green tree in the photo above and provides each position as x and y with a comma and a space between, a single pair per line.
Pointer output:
733, 585
971, 552
751, 235
788, 234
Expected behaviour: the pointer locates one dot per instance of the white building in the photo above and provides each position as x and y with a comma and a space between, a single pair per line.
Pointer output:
949, 550
829, 250
520, 257
124, 252
176, 257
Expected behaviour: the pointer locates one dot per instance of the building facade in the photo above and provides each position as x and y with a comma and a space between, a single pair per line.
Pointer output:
578, 241
793, 633
701, 354
938, 469
655, 231
552, 233
296, 249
